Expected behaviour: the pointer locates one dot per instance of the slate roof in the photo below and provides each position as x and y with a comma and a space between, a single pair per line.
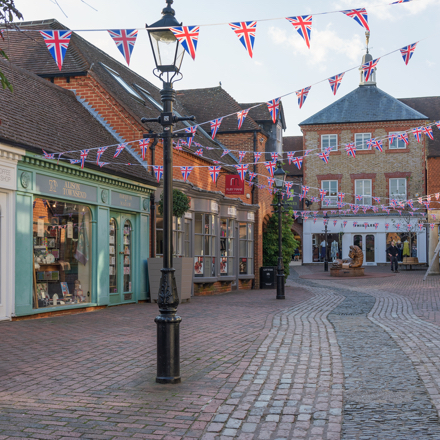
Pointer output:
261, 113
85, 58
211, 103
364, 104
40, 115
429, 106
292, 143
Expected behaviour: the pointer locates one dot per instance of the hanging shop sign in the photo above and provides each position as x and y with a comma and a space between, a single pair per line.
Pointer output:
234, 185
65, 188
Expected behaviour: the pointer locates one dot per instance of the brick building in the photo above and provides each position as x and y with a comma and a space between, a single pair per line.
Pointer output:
118, 99
396, 173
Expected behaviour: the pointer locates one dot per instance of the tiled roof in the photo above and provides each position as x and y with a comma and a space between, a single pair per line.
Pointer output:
211, 103
40, 115
429, 106
292, 143
83, 55
364, 104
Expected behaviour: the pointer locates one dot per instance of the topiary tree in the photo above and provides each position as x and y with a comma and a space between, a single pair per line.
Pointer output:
270, 240
181, 203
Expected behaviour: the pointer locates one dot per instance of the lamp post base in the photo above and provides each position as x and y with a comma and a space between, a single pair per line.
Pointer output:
280, 282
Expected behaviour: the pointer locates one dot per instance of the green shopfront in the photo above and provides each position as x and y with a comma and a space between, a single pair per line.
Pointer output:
82, 238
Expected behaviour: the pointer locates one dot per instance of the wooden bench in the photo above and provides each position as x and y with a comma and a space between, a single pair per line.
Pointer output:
411, 264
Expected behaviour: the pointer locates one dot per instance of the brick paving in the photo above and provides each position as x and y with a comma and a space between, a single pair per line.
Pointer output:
334, 360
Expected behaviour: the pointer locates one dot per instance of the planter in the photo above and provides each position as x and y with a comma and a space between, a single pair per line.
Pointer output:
183, 273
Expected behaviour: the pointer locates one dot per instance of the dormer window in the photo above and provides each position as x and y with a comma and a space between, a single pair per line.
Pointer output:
118, 78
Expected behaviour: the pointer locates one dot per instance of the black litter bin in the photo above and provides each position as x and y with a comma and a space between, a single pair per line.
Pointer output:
268, 277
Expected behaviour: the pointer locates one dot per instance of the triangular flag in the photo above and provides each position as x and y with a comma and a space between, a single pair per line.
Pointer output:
57, 42
125, 40
188, 37
245, 31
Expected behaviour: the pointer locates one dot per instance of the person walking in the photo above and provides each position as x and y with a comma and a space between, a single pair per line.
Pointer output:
393, 253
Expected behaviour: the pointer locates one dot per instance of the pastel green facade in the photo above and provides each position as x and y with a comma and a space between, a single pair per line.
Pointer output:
106, 196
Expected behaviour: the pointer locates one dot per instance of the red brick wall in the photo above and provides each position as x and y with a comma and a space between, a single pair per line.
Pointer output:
433, 175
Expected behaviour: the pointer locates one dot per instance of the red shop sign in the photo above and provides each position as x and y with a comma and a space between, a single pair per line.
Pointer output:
234, 185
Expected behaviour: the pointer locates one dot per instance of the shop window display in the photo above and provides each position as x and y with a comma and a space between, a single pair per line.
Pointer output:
246, 248
319, 247
62, 253
226, 247
406, 243
127, 256
204, 245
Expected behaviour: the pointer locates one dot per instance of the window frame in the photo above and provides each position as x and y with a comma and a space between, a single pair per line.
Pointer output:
364, 141
213, 237
397, 142
364, 196
328, 136
398, 197
249, 249
330, 197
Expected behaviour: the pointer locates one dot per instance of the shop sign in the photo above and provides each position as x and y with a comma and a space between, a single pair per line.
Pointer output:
188, 215
126, 200
232, 211
214, 206
65, 188
234, 185
251, 216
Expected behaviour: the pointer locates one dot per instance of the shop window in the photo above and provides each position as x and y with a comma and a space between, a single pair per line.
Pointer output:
398, 189
406, 243
320, 246
113, 246
204, 245
226, 247
187, 239
360, 139
246, 249
331, 186
397, 144
127, 256
62, 236
178, 236
363, 188
329, 141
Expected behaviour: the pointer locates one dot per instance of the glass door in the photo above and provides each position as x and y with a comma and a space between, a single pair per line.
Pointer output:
120, 258
366, 243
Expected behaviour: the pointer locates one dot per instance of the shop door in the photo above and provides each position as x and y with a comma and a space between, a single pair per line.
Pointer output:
367, 243
121, 247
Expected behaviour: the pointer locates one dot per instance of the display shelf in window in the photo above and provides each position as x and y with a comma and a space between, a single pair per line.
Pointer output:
127, 256
113, 245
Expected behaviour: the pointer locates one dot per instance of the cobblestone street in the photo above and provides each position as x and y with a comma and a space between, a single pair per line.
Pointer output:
346, 359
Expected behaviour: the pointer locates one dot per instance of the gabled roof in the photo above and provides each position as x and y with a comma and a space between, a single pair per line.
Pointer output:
262, 114
211, 103
364, 104
84, 58
429, 106
292, 143
40, 115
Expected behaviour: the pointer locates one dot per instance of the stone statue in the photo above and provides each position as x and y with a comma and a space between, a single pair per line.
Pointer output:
356, 259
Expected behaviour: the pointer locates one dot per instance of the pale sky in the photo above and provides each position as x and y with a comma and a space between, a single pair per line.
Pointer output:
281, 63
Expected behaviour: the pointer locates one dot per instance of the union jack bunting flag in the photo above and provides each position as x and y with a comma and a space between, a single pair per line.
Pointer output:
409, 227
99, 154
378, 144
274, 107
340, 205
356, 209
407, 52
375, 209
370, 143
270, 190
215, 125
438, 124
428, 132
125, 40
376, 225
387, 225
270, 166
143, 144
257, 156
178, 146
74, 161
314, 220
322, 193
325, 220
351, 150
324, 213
432, 225
335, 222
335, 82
290, 155
270, 181
241, 156
252, 176
48, 156
158, 171
192, 130
437, 196
403, 137
333, 212
186, 171
307, 152
314, 199
417, 132
119, 150
199, 152
225, 152
57, 42
298, 161
355, 224
84, 154
359, 198
302, 24
398, 226
428, 197
242, 170
365, 208
305, 190
214, 173
360, 15
188, 37
324, 157
251, 184
245, 32
302, 95
376, 199
288, 186
344, 223
241, 116
421, 226
102, 164
391, 137
426, 203
366, 225
400, 1
410, 203
341, 196
420, 200
368, 68
434, 216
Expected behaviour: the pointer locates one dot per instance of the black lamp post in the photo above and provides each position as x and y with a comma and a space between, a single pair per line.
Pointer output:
326, 219
280, 177
168, 56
